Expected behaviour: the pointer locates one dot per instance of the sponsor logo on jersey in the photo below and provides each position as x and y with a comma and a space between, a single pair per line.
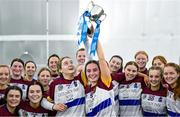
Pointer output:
135, 85
160, 99
151, 98
144, 96
23, 87
75, 83
60, 87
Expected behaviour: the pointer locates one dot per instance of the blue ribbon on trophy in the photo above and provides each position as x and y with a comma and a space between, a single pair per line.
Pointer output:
83, 27
94, 13
95, 38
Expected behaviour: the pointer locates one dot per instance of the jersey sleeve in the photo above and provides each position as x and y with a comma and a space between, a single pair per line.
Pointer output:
143, 84
104, 85
50, 94
119, 77
82, 78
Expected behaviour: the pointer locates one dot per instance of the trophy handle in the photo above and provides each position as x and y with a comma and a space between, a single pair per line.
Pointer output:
90, 5
103, 17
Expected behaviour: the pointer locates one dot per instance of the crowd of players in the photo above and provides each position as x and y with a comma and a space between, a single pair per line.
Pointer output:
91, 88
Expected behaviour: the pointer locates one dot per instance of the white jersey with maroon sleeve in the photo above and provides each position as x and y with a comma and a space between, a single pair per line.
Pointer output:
116, 97
154, 102
99, 101
115, 82
173, 106
71, 93
129, 97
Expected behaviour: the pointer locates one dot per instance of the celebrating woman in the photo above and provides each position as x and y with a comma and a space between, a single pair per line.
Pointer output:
172, 77
99, 91
153, 99
44, 77
130, 90
13, 96
32, 106
4, 81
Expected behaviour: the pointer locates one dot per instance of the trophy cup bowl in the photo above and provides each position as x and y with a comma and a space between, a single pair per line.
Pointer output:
96, 12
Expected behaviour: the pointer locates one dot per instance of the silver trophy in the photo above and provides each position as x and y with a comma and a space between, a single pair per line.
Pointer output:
93, 15
97, 12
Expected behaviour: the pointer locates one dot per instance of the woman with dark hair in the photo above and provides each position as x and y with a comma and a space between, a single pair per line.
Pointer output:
32, 106
17, 77
130, 89
17, 69
69, 90
52, 64
116, 64
44, 77
13, 96
30, 70
172, 77
99, 91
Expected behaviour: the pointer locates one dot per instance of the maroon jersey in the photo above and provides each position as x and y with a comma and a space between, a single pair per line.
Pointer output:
5, 112
145, 71
54, 76
118, 77
26, 110
45, 94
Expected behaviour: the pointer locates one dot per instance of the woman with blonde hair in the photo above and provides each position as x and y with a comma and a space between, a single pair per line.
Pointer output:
4, 81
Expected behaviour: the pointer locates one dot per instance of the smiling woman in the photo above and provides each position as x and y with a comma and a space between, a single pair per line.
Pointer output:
32, 106
172, 77
4, 80
153, 99
130, 90
67, 90
13, 96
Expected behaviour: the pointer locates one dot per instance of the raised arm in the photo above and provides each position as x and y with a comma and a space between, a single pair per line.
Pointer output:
87, 46
105, 72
